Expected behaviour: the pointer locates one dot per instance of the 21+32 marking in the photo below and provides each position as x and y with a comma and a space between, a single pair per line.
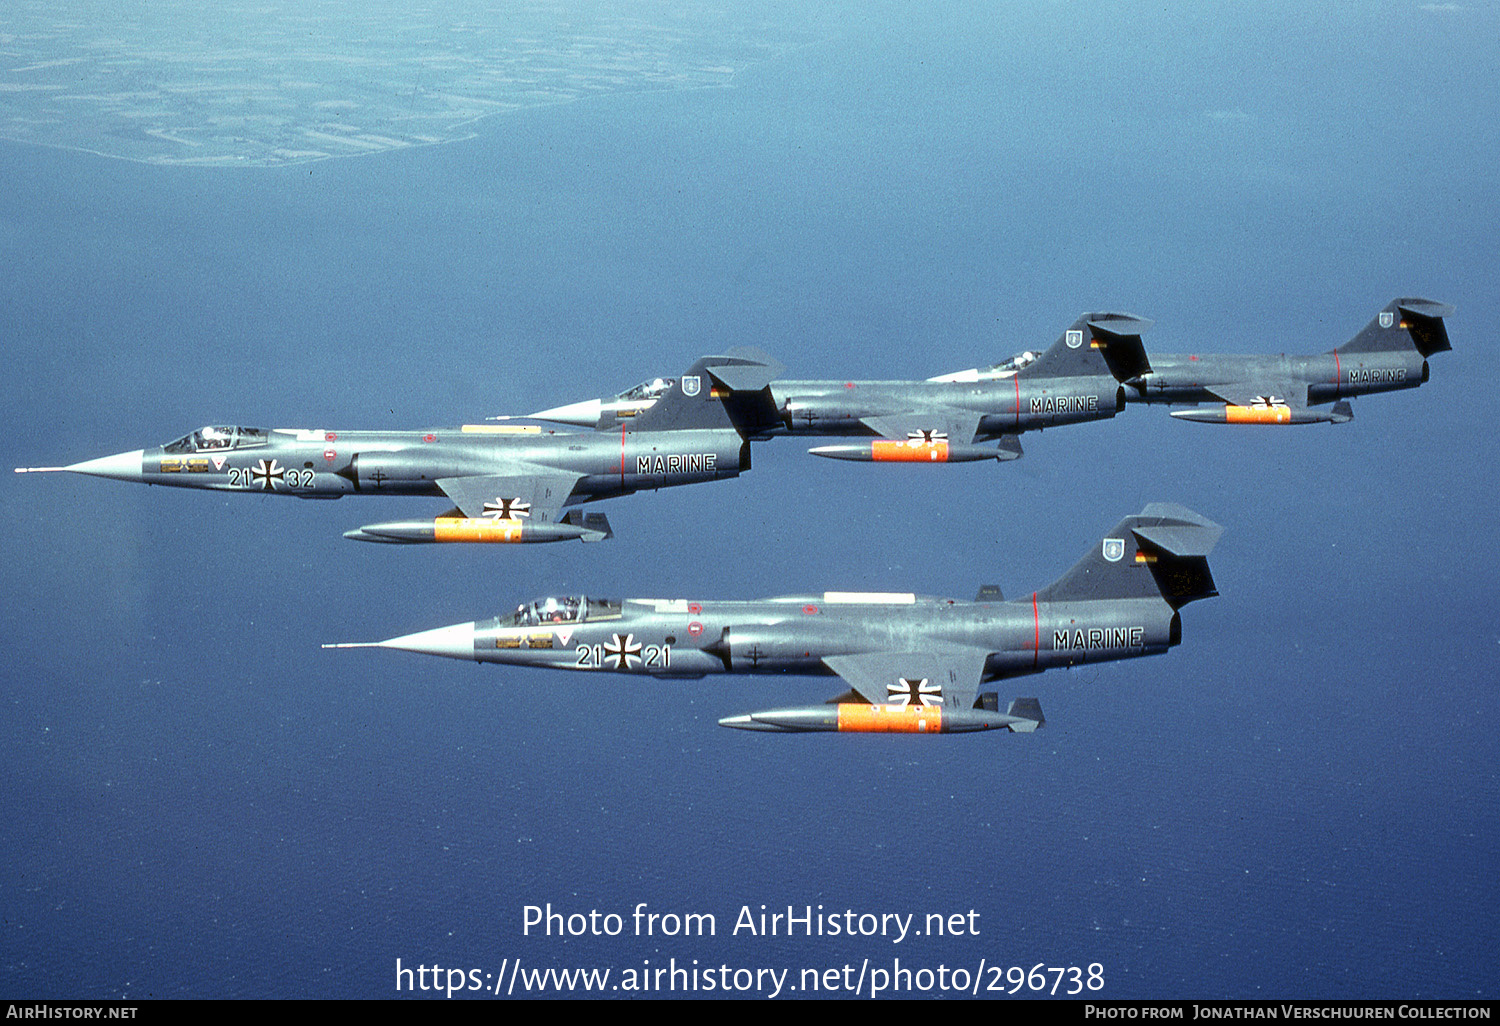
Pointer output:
267, 474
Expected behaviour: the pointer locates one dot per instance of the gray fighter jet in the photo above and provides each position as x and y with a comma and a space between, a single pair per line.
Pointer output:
940, 420
912, 664
1390, 353
507, 483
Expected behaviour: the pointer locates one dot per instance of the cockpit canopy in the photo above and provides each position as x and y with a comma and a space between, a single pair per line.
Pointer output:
216, 439
647, 390
1015, 363
1004, 369
567, 609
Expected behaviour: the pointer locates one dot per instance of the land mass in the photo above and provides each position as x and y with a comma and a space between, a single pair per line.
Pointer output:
269, 83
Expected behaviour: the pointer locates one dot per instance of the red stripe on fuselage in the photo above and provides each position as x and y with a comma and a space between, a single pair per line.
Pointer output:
1036, 648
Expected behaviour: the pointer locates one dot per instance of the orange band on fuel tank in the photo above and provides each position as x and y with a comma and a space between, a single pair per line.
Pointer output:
1257, 415
891, 719
909, 452
475, 529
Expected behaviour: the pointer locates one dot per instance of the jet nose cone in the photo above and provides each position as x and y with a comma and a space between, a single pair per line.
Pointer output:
584, 414
455, 642
122, 466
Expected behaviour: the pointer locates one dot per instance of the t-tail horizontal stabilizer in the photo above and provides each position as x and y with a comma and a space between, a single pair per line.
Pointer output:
1096, 344
1402, 325
1163, 550
741, 378
726, 391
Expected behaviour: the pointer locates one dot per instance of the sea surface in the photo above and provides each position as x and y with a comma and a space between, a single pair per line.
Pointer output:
1300, 801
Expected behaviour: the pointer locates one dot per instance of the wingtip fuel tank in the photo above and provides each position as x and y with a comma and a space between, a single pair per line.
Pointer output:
589, 527
1268, 412
857, 718
915, 450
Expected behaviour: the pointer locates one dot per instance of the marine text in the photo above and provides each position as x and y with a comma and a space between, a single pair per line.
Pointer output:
1377, 374
1099, 637
689, 463
1066, 404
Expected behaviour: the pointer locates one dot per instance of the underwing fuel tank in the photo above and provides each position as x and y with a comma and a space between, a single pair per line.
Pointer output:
916, 450
590, 527
1023, 716
1273, 413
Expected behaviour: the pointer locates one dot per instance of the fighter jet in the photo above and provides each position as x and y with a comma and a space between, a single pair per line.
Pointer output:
1390, 353
508, 484
941, 420
912, 664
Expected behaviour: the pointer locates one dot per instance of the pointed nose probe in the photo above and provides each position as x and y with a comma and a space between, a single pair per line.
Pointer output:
122, 466
455, 642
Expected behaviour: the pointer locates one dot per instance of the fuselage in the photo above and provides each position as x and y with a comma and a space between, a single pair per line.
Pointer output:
1191, 378
319, 464
993, 404
794, 634
1006, 405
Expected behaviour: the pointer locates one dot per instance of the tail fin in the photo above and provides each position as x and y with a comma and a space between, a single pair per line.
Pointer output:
1162, 550
1404, 324
1095, 344
747, 391
595, 525
716, 392
1029, 712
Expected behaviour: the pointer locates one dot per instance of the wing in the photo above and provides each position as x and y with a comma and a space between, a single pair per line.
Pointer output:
949, 676
534, 492
1264, 392
956, 425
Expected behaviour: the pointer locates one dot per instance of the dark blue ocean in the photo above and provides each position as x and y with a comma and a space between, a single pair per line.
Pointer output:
1299, 801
